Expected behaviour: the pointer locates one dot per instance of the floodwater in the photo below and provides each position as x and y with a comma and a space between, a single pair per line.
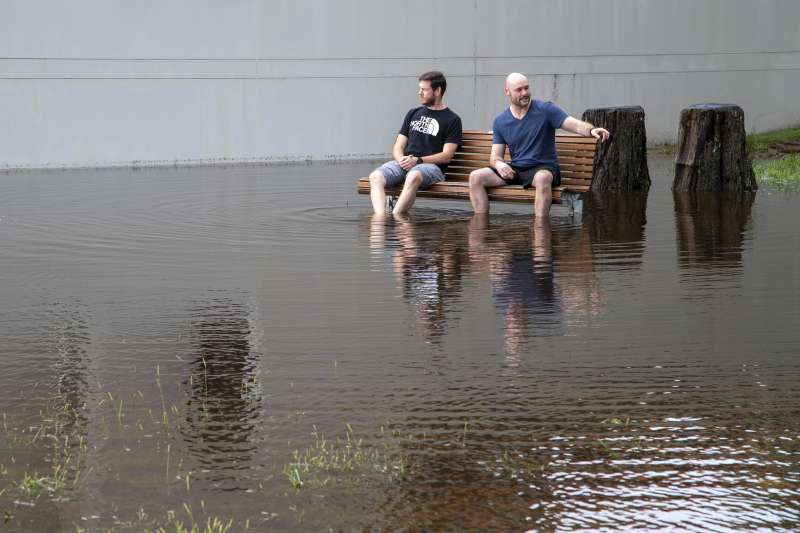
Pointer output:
249, 347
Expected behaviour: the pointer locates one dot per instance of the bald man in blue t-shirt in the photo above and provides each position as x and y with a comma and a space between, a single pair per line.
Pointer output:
528, 128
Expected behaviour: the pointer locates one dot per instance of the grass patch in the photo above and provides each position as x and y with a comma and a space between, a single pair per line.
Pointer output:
34, 486
341, 460
212, 524
58, 436
760, 144
781, 174
176, 522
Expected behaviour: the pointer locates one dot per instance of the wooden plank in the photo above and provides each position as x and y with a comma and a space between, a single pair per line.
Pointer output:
462, 174
475, 142
475, 135
579, 161
463, 169
474, 150
577, 175
472, 157
567, 152
465, 166
577, 168
570, 137
579, 139
571, 146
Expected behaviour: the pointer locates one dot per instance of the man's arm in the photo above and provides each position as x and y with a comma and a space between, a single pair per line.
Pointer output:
399, 151
496, 161
584, 128
443, 157
439, 158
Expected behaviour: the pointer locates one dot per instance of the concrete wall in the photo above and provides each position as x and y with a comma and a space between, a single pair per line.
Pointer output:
109, 82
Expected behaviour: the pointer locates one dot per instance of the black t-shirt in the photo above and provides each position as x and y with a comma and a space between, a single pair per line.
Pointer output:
428, 130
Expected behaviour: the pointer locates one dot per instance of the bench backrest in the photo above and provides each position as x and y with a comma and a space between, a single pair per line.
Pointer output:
575, 157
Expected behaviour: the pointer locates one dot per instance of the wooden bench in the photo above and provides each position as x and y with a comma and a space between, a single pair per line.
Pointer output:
575, 157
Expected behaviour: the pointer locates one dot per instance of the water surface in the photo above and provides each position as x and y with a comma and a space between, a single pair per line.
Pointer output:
251, 344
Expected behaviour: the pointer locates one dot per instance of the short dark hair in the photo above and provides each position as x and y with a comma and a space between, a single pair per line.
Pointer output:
436, 78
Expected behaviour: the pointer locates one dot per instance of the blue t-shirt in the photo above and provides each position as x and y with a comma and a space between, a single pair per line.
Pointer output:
531, 140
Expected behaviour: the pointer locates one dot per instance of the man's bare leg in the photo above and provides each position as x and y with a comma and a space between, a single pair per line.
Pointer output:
543, 181
477, 238
377, 232
542, 241
409, 194
377, 192
479, 180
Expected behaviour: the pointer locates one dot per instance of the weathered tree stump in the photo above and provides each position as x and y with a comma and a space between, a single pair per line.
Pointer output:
712, 150
620, 163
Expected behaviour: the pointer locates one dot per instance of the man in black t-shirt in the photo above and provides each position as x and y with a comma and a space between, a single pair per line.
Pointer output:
428, 138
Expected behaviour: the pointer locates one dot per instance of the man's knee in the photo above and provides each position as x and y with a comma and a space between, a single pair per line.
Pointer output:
414, 178
543, 179
477, 178
376, 179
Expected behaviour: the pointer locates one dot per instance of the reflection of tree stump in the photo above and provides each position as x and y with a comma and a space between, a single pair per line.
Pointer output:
617, 217
620, 163
712, 150
711, 227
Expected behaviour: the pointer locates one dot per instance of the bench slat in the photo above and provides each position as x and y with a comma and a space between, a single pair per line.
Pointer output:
582, 149
482, 143
457, 173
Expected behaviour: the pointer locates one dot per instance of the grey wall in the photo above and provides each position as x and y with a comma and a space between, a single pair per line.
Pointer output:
111, 82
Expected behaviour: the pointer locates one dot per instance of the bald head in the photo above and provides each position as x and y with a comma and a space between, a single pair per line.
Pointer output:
518, 90
515, 78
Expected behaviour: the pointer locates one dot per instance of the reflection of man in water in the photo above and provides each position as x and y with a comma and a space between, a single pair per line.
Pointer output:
427, 263
521, 269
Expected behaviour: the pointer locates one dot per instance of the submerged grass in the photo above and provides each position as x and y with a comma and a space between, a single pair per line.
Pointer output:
47, 456
212, 524
175, 522
58, 436
781, 174
343, 460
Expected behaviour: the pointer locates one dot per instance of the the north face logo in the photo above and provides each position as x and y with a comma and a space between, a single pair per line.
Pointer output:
426, 125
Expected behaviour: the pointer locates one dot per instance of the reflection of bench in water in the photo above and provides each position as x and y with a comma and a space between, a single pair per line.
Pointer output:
575, 157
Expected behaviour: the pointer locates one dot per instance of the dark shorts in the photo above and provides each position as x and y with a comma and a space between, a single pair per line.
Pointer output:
524, 176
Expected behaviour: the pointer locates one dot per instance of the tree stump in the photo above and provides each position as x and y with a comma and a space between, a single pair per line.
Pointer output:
620, 163
712, 150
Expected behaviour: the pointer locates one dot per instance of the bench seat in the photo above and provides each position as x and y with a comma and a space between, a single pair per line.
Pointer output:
575, 157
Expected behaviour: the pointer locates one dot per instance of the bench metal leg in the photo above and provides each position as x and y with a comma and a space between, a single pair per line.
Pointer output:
573, 202
390, 201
